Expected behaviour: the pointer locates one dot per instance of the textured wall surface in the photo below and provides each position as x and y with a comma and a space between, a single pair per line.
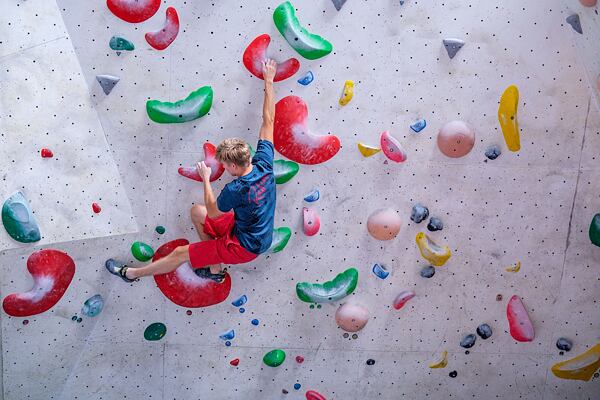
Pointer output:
534, 206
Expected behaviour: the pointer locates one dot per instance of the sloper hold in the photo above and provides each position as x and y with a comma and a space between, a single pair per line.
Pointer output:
453, 46
581, 368
338, 4
575, 23
107, 82
521, 328
119, 43
18, 219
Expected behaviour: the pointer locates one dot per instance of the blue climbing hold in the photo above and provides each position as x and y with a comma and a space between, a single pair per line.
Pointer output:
93, 306
418, 125
228, 343
240, 301
242, 310
312, 196
428, 271
297, 386
306, 79
254, 322
493, 152
380, 271
230, 334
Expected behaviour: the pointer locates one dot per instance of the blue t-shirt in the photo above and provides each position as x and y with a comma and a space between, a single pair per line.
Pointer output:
252, 198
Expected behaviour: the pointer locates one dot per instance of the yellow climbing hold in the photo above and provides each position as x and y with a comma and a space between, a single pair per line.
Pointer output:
507, 116
442, 363
514, 268
347, 93
436, 255
581, 368
366, 150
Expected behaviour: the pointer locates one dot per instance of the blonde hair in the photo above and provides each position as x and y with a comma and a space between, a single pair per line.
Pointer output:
234, 150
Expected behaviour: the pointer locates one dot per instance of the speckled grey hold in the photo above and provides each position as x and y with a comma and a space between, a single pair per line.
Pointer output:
428, 271
493, 152
468, 341
484, 331
435, 224
575, 23
564, 344
419, 213
107, 82
453, 46
338, 4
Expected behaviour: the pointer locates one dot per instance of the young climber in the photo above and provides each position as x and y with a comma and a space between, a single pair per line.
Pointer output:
237, 226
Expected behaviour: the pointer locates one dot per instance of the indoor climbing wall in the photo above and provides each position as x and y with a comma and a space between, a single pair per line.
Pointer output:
511, 217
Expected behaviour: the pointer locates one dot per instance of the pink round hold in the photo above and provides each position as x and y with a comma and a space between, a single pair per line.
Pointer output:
384, 224
352, 317
588, 3
456, 139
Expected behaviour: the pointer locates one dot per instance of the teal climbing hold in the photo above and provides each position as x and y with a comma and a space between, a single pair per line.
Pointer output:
120, 44
155, 331
141, 251
160, 229
595, 230
18, 219
196, 105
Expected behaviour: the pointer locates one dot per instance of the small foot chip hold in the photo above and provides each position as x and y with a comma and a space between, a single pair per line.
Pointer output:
227, 335
163, 38
453, 46
96, 208
418, 125
575, 23
514, 268
338, 4
347, 93
441, 363
582, 367
235, 362
46, 153
107, 82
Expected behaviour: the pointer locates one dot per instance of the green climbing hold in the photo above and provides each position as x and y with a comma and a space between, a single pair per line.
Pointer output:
196, 105
160, 229
155, 331
141, 251
595, 230
18, 219
308, 45
119, 43
281, 236
284, 170
341, 286
274, 358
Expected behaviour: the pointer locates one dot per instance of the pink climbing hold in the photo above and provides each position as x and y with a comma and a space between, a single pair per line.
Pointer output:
210, 158
299, 359
96, 208
46, 153
293, 139
521, 328
160, 40
52, 272
186, 289
402, 298
312, 395
392, 148
256, 53
312, 222
133, 10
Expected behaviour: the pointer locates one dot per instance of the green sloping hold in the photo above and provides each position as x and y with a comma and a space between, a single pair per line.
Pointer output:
196, 105
281, 236
18, 219
141, 251
307, 44
595, 230
338, 288
284, 170
155, 331
120, 43
274, 358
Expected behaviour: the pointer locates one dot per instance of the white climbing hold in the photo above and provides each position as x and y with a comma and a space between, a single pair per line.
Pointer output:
453, 46
107, 82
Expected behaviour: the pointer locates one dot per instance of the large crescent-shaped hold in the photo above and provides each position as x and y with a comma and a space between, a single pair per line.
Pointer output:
18, 219
507, 116
186, 289
196, 105
256, 53
210, 158
312, 222
312, 395
384, 224
292, 137
581, 368
308, 45
163, 38
338, 288
435, 254
392, 147
133, 11
52, 272
456, 139
521, 328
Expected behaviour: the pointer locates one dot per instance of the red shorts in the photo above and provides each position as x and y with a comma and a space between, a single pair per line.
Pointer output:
226, 247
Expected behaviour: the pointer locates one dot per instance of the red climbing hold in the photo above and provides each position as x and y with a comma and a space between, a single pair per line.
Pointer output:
133, 10
160, 40
312, 222
210, 158
52, 272
256, 53
96, 208
312, 395
47, 153
292, 137
235, 362
521, 328
186, 289
299, 359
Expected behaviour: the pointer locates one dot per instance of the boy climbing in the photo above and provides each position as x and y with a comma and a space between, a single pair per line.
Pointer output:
237, 226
